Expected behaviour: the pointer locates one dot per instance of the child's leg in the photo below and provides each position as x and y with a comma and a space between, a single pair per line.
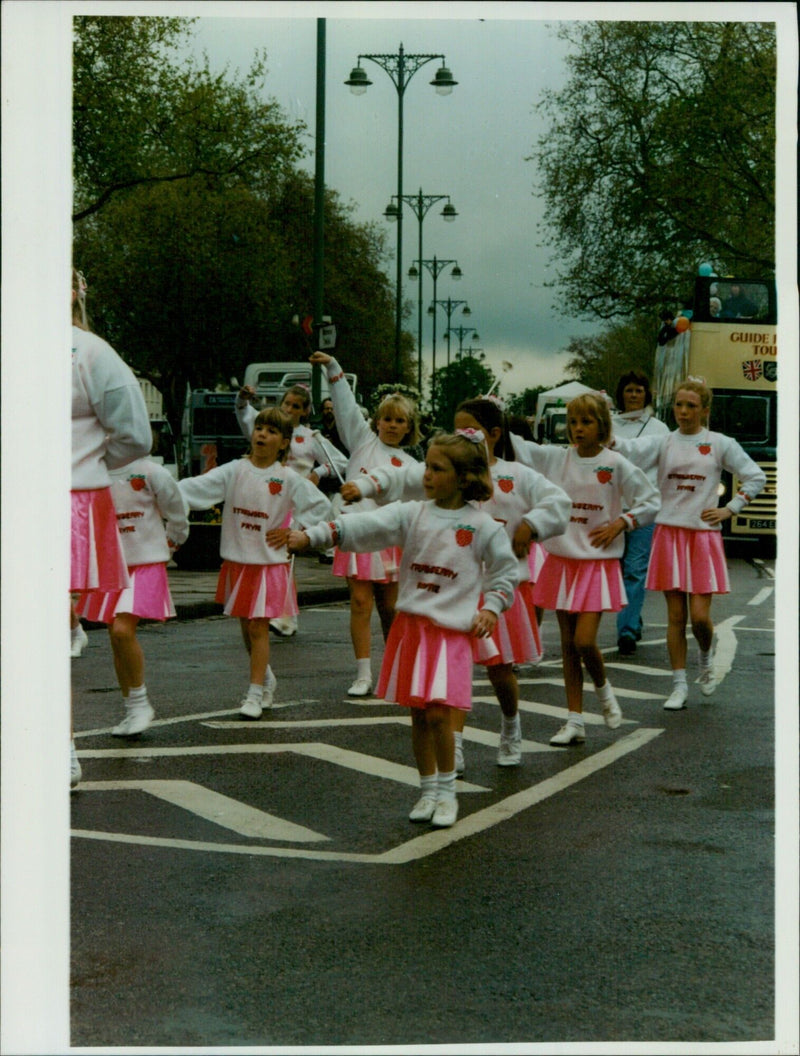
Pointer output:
573, 729
506, 688
361, 601
425, 757
441, 726
127, 652
703, 630
258, 632
385, 601
586, 629
676, 647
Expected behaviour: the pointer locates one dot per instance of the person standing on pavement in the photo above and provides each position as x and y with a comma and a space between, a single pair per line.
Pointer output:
457, 574
262, 497
581, 577
687, 560
307, 455
110, 429
371, 577
145, 496
634, 418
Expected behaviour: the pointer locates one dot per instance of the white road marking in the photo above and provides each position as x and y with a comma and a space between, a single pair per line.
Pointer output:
726, 646
364, 764
214, 807
550, 710
420, 846
762, 596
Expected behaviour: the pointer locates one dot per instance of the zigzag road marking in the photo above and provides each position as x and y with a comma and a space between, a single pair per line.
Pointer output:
420, 846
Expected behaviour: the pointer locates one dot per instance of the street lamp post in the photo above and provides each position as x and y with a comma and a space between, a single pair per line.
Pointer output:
435, 267
420, 204
400, 68
449, 307
461, 331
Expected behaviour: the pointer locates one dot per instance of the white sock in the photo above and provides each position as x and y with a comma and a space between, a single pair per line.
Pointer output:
604, 692
137, 694
446, 786
705, 660
255, 692
269, 678
364, 669
575, 717
679, 678
75, 631
427, 784
458, 737
510, 727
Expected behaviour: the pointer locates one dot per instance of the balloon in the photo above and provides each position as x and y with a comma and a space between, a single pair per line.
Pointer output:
705, 269
687, 313
681, 324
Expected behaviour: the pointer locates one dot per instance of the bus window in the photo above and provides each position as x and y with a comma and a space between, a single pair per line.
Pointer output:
732, 300
744, 417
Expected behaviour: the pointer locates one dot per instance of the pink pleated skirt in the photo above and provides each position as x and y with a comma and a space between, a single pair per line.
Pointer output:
687, 559
96, 558
380, 566
515, 638
536, 556
424, 663
147, 597
566, 584
255, 592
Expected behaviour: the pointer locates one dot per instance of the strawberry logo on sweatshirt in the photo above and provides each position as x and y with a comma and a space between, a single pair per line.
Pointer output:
299, 439
704, 449
505, 484
275, 486
604, 474
464, 534
396, 461
138, 481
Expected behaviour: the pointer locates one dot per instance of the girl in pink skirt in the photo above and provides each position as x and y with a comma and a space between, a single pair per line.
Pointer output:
687, 560
145, 496
371, 577
110, 428
262, 496
457, 574
581, 577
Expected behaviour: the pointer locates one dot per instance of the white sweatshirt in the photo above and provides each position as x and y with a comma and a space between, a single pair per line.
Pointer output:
307, 451
520, 494
110, 425
689, 469
449, 558
601, 489
256, 501
629, 425
366, 450
146, 495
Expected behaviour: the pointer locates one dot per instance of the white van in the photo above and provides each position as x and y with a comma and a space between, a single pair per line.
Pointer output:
271, 380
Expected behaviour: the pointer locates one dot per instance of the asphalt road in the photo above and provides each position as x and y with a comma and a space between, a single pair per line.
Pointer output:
259, 884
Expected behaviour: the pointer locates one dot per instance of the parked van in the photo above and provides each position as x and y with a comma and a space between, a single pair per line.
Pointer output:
271, 380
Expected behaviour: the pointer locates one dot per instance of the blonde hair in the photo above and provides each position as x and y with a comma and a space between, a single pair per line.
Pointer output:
698, 386
395, 401
596, 406
79, 288
471, 463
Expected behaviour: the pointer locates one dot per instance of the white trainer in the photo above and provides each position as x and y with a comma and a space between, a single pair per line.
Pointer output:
423, 809
362, 687
284, 626
612, 712
510, 751
570, 733
676, 701
707, 680
79, 643
445, 814
138, 716
270, 685
75, 772
249, 708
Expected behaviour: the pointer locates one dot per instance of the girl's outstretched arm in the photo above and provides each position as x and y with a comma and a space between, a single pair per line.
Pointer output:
353, 429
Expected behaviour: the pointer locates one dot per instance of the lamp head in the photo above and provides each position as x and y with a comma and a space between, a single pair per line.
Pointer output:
449, 212
456, 273
391, 211
412, 272
443, 81
358, 81
467, 310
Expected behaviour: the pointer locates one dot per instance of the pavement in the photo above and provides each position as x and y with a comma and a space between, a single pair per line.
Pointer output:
193, 591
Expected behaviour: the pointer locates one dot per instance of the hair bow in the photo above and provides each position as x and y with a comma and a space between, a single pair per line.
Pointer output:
696, 377
496, 401
475, 436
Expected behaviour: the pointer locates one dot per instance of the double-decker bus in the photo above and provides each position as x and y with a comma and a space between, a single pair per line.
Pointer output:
731, 341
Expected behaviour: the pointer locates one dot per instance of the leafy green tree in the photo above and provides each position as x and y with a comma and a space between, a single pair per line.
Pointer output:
600, 361
462, 379
141, 116
659, 155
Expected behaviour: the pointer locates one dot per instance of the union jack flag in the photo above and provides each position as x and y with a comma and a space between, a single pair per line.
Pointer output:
751, 369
